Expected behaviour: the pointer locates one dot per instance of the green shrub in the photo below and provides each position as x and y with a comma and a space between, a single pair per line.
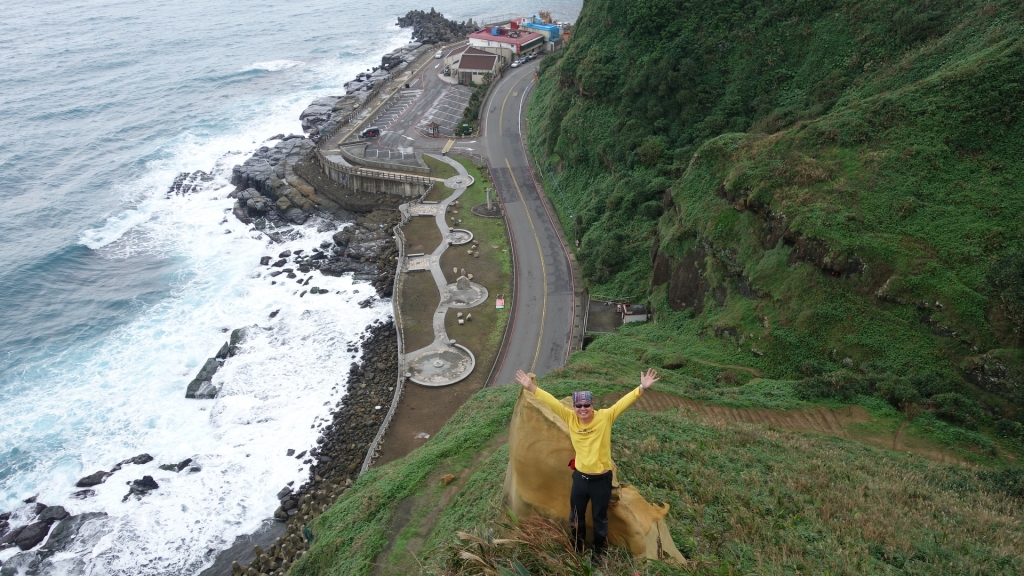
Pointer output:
839, 385
899, 392
903, 391
1010, 429
1008, 480
958, 409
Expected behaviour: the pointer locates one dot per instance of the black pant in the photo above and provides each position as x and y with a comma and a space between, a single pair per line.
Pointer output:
598, 491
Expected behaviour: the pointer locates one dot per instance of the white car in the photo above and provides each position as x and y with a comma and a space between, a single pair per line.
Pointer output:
517, 63
439, 55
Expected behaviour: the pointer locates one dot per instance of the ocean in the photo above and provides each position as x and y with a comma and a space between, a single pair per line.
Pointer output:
113, 293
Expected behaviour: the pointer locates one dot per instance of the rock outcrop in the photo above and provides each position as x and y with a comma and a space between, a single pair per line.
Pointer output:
202, 386
433, 28
140, 487
538, 481
267, 173
326, 114
39, 562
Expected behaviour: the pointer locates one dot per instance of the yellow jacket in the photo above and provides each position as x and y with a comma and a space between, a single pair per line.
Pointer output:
593, 442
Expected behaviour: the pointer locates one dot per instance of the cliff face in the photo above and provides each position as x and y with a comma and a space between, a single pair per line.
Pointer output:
835, 187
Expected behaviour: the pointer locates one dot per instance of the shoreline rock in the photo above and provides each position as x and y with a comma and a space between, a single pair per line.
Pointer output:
433, 28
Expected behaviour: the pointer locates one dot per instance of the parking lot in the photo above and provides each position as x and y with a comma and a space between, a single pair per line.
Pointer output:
395, 108
446, 111
400, 153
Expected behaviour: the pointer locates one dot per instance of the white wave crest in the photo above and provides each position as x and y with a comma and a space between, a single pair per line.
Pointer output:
275, 65
115, 227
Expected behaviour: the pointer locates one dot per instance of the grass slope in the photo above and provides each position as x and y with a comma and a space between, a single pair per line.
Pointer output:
744, 498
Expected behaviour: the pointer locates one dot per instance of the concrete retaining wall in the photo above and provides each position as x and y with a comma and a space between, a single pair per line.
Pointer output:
364, 181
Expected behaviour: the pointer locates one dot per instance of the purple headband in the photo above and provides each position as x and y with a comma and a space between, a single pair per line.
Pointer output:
584, 397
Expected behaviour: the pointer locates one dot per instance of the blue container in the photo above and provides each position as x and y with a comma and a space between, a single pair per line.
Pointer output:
495, 31
554, 32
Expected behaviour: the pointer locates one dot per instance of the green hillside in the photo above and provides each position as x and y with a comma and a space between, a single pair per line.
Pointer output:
745, 499
829, 192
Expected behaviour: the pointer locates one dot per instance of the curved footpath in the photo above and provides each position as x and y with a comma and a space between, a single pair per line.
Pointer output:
443, 361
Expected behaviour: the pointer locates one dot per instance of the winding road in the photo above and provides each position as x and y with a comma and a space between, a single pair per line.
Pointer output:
543, 306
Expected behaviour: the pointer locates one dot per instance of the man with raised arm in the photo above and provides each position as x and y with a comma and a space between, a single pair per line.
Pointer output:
591, 434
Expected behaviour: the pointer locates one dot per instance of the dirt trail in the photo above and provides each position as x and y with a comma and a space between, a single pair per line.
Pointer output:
417, 515
746, 369
820, 419
817, 419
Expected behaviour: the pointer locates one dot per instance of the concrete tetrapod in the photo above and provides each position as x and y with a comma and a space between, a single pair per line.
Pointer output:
444, 362
538, 481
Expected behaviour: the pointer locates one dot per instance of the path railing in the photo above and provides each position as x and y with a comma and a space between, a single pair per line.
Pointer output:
400, 382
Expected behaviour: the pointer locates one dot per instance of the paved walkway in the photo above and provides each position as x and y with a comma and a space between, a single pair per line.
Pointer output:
443, 361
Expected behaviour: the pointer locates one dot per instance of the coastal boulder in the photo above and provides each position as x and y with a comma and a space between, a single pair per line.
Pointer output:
202, 386
33, 534
318, 112
238, 337
8, 540
296, 215
140, 487
64, 533
94, 479
137, 460
52, 514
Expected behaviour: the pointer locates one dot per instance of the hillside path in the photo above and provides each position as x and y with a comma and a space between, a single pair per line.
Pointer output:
842, 422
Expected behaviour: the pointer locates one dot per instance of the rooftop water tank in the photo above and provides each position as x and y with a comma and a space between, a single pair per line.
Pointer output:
495, 31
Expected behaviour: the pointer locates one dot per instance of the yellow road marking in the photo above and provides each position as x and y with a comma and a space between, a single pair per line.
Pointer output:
448, 146
543, 268
501, 115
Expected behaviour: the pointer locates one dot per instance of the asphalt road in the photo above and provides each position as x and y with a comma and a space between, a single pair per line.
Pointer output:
542, 308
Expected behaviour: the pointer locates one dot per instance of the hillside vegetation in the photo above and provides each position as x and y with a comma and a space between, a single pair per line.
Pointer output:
745, 499
828, 192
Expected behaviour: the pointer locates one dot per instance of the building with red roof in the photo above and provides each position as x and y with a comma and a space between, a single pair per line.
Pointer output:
506, 42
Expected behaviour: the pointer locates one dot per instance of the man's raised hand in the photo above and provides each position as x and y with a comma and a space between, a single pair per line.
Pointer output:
525, 381
647, 380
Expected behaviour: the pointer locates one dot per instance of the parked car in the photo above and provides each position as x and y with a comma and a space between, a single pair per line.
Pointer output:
370, 133
517, 63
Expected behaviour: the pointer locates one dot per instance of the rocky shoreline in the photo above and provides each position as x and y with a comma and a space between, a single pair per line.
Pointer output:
334, 461
272, 197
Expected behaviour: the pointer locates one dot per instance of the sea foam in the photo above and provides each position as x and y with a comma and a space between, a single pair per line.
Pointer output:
275, 65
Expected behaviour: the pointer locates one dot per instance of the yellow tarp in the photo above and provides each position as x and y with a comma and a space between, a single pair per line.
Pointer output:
538, 481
